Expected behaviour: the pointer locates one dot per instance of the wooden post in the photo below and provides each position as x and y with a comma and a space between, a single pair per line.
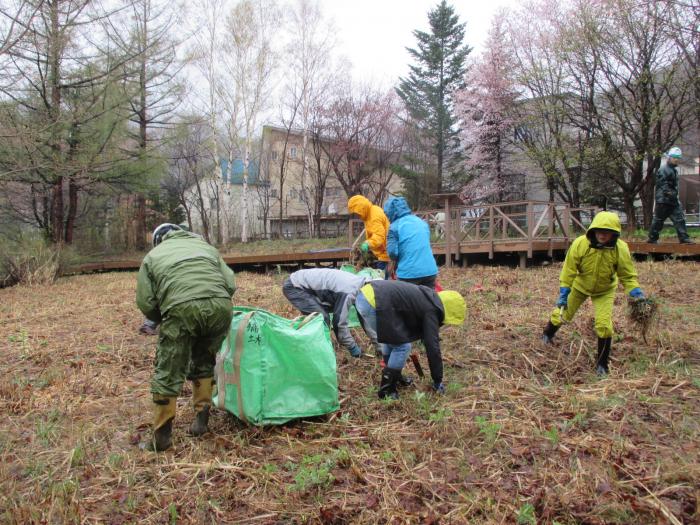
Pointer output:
448, 233
523, 260
566, 219
550, 227
530, 218
491, 231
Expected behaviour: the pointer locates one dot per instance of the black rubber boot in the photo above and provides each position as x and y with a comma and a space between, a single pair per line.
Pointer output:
604, 345
405, 381
549, 331
163, 415
390, 379
200, 424
162, 438
201, 401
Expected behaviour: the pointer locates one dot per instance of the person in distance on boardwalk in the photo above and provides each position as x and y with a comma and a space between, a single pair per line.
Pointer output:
408, 244
184, 285
328, 291
401, 312
593, 264
667, 203
376, 229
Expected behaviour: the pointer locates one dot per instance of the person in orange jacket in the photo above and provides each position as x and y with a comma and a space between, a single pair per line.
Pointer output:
376, 228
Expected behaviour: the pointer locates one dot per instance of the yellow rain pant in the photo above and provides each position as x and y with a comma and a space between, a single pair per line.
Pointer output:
602, 307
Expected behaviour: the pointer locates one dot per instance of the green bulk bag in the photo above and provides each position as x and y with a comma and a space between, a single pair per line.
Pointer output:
271, 369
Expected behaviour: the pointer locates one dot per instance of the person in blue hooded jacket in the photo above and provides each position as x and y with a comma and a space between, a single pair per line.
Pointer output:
408, 244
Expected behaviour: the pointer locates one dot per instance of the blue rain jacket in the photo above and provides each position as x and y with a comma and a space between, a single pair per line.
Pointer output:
408, 242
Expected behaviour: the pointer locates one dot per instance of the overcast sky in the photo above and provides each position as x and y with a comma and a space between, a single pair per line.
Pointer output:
374, 34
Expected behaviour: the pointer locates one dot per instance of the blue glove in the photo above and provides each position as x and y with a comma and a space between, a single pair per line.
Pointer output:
637, 293
355, 351
563, 300
439, 388
364, 247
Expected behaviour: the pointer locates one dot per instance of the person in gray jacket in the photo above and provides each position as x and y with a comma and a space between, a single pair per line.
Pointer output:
328, 291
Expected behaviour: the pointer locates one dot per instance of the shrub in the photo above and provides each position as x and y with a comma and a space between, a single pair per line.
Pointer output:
29, 261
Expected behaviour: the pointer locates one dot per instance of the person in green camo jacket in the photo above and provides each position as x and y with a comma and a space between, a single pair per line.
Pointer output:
184, 285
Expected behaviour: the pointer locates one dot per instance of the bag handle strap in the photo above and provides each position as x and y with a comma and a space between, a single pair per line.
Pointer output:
308, 318
223, 377
240, 333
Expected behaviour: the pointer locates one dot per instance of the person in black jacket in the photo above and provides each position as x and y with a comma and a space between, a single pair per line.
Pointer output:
667, 204
402, 312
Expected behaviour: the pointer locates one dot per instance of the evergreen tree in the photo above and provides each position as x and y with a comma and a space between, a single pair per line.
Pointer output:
440, 68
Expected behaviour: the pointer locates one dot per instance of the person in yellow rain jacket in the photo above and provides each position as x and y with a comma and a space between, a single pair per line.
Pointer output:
376, 228
593, 264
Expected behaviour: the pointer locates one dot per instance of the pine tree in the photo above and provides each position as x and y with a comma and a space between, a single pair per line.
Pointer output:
439, 71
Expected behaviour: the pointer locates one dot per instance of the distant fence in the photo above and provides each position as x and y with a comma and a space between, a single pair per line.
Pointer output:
520, 224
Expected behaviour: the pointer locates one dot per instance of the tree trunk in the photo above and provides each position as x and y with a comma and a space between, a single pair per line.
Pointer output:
646, 192
628, 204
140, 222
57, 211
220, 190
244, 194
140, 227
72, 209
54, 117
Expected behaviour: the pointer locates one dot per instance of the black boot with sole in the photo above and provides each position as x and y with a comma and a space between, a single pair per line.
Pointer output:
163, 415
549, 331
604, 346
390, 379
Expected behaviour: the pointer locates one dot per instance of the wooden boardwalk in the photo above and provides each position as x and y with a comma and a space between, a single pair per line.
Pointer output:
525, 228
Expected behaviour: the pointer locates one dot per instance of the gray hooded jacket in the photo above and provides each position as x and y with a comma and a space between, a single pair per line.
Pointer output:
336, 290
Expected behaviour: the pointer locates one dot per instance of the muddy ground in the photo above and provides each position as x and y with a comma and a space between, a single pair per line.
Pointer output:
525, 434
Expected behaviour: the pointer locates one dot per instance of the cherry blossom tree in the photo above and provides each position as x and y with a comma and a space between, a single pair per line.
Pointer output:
486, 106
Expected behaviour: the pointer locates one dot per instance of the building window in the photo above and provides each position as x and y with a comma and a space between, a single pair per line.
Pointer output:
293, 152
273, 155
273, 193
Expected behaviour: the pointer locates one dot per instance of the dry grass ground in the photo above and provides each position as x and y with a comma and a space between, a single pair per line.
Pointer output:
526, 433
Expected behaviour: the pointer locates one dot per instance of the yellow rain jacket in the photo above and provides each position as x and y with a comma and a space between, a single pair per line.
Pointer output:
593, 269
376, 224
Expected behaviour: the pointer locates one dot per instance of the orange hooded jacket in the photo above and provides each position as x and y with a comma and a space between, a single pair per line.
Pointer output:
376, 224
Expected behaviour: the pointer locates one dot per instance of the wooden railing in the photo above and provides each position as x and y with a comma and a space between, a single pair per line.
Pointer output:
504, 223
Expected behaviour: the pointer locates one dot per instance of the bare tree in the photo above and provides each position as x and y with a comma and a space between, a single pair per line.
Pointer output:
263, 190
189, 170
685, 18
310, 74
638, 108
250, 26
356, 128
541, 122
16, 21
207, 55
